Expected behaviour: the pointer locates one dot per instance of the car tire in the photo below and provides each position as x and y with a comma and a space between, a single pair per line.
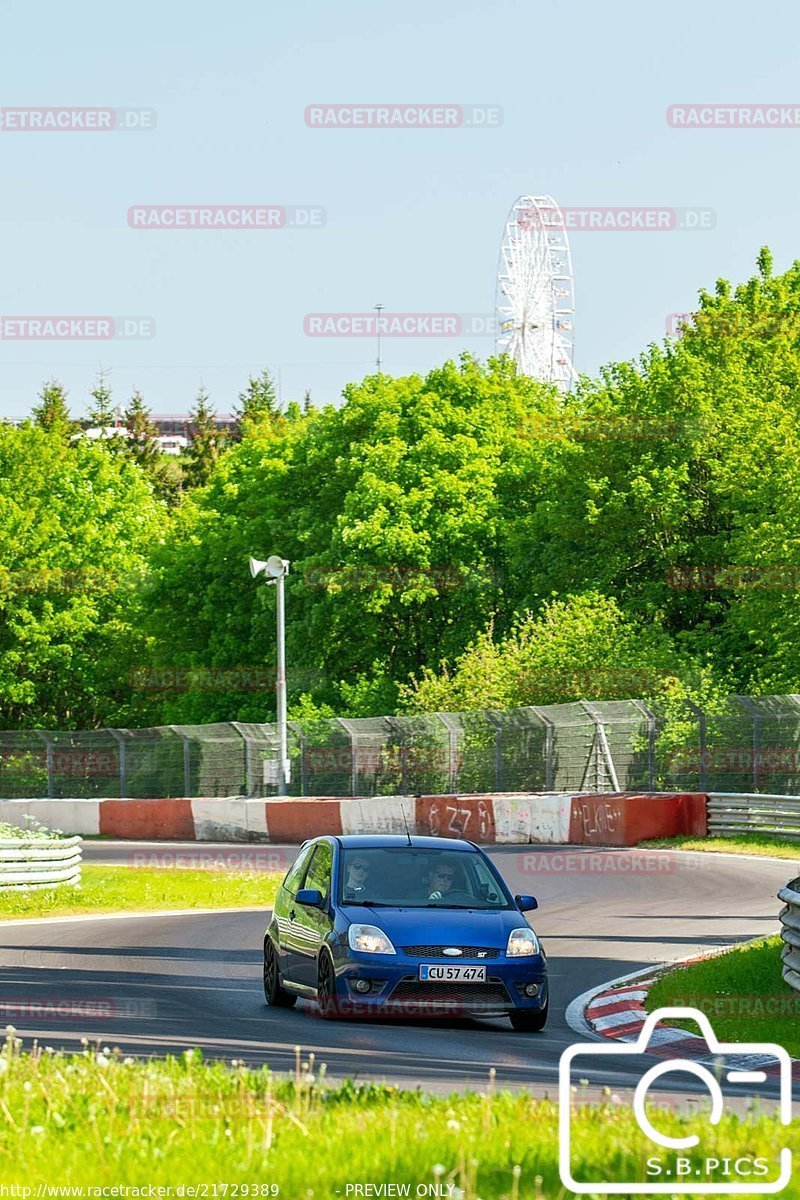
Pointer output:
326, 987
274, 994
529, 1022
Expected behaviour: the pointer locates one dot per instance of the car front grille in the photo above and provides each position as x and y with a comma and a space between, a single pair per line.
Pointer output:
456, 997
439, 951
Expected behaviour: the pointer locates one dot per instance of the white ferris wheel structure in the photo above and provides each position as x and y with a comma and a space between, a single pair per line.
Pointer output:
535, 294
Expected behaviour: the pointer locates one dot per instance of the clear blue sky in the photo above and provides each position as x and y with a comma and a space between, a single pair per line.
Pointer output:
414, 218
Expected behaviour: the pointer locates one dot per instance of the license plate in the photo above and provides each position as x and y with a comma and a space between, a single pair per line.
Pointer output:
449, 973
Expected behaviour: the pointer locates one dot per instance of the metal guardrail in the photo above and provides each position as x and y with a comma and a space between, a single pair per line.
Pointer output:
790, 920
34, 863
732, 813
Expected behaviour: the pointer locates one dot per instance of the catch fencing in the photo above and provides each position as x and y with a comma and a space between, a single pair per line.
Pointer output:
790, 920
745, 745
39, 863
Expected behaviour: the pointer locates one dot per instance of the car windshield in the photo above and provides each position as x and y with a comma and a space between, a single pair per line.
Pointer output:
410, 877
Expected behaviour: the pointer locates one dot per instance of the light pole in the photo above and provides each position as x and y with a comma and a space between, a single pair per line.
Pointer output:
379, 309
277, 568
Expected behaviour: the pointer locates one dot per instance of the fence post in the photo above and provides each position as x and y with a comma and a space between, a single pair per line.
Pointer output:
549, 748
123, 762
755, 716
651, 742
498, 750
187, 760
396, 724
301, 737
348, 728
44, 734
248, 758
452, 730
701, 732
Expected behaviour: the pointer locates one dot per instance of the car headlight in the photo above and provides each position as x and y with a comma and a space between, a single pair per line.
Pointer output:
369, 940
522, 942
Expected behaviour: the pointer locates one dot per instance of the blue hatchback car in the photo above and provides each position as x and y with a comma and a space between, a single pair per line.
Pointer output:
404, 926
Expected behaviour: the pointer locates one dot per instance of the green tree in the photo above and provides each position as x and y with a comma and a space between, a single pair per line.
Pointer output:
258, 407
52, 412
76, 526
473, 536
103, 414
388, 508
142, 433
168, 478
580, 648
677, 475
206, 441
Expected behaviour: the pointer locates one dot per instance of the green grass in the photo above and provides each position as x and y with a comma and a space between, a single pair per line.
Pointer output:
751, 843
742, 993
96, 1119
129, 889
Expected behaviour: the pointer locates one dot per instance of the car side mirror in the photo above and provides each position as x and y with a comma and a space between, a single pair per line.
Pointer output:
526, 903
310, 897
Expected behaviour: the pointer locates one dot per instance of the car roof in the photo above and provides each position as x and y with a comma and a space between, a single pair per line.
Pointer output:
396, 841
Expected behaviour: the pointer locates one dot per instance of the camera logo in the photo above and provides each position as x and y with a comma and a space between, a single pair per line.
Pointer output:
682, 1166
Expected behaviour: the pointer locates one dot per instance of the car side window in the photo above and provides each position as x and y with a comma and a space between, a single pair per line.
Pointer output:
319, 873
297, 870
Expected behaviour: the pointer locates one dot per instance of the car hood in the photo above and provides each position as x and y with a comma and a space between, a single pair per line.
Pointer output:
439, 927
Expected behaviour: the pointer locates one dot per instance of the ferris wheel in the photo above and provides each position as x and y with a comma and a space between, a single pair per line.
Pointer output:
535, 296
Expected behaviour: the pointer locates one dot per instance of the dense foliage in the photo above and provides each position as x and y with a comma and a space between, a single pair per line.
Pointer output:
77, 524
462, 539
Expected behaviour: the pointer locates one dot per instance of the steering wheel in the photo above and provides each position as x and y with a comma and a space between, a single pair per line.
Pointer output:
457, 896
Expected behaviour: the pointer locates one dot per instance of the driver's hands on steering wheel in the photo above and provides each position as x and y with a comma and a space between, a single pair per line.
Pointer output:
436, 896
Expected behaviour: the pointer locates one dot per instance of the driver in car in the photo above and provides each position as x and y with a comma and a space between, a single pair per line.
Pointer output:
441, 881
355, 887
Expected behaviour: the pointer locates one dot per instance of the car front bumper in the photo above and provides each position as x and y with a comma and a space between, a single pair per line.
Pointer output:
395, 988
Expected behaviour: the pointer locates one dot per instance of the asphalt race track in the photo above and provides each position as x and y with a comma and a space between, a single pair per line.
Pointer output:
165, 983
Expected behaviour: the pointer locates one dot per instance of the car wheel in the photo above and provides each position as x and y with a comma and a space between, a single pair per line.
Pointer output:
274, 994
326, 987
529, 1022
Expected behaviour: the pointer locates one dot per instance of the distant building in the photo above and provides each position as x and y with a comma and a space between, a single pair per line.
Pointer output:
174, 430
172, 443
182, 425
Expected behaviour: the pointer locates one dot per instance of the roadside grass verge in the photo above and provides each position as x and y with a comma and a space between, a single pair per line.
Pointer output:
741, 992
751, 843
123, 889
98, 1119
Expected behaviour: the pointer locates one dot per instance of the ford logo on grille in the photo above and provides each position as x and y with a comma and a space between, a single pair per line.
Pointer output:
452, 951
